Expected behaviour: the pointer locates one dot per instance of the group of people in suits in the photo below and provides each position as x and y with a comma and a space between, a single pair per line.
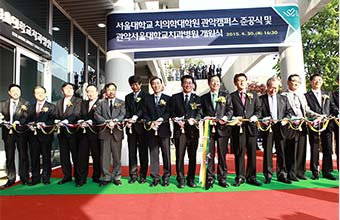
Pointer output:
146, 118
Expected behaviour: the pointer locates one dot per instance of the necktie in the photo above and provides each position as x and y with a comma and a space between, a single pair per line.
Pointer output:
243, 98
156, 100
297, 106
214, 100
273, 110
14, 106
38, 108
111, 107
318, 97
186, 101
135, 96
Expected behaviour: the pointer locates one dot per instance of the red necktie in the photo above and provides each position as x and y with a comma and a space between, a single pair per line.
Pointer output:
243, 98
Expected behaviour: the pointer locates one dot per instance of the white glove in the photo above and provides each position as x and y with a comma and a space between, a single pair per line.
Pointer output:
65, 121
191, 121
160, 119
90, 122
266, 119
284, 121
134, 118
253, 118
16, 122
56, 121
80, 121
224, 118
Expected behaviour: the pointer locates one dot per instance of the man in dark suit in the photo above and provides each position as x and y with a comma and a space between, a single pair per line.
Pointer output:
319, 101
276, 107
296, 140
185, 111
42, 114
88, 138
217, 104
68, 112
246, 105
156, 114
135, 131
111, 111
335, 112
14, 111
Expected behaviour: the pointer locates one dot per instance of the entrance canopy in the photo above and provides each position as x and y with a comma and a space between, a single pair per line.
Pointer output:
172, 33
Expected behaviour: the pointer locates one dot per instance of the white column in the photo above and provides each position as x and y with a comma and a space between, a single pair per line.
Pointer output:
291, 62
120, 66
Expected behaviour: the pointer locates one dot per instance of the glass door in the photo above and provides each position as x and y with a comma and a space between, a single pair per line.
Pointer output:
30, 72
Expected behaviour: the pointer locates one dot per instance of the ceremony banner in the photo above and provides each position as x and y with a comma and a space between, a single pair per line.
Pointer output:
187, 31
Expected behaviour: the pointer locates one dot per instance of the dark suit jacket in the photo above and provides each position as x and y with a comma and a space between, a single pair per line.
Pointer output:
152, 113
193, 110
85, 115
72, 113
102, 113
324, 108
135, 108
222, 109
47, 115
335, 104
21, 115
284, 110
251, 107
314, 104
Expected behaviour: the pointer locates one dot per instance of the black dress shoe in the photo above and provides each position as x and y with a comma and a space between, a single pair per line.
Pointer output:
46, 182
165, 183
238, 182
132, 180
267, 180
209, 185
224, 184
180, 185
142, 180
284, 180
315, 176
25, 182
103, 183
254, 182
301, 177
191, 183
80, 184
329, 176
293, 178
64, 181
95, 180
154, 183
34, 182
117, 182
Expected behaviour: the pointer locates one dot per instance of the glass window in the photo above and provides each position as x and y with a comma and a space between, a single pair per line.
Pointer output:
60, 52
78, 75
35, 10
6, 69
92, 63
102, 62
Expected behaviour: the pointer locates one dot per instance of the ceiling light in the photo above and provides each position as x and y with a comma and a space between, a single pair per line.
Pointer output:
56, 29
101, 25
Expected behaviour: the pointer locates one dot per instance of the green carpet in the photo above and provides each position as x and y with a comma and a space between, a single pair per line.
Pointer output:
136, 188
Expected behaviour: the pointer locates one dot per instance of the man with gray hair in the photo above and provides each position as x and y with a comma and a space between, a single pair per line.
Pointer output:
275, 111
296, 142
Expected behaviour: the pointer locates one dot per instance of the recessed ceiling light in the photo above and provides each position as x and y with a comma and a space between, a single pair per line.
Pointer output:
101, 25
56, 29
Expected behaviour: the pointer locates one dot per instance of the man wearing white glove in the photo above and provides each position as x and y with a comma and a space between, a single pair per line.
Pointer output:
15, 110
296, 141
68, 112
135, 131
110, 109
88, 141
246, 105
157, 111
185, 107
43, 114
319, 101
277, 107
